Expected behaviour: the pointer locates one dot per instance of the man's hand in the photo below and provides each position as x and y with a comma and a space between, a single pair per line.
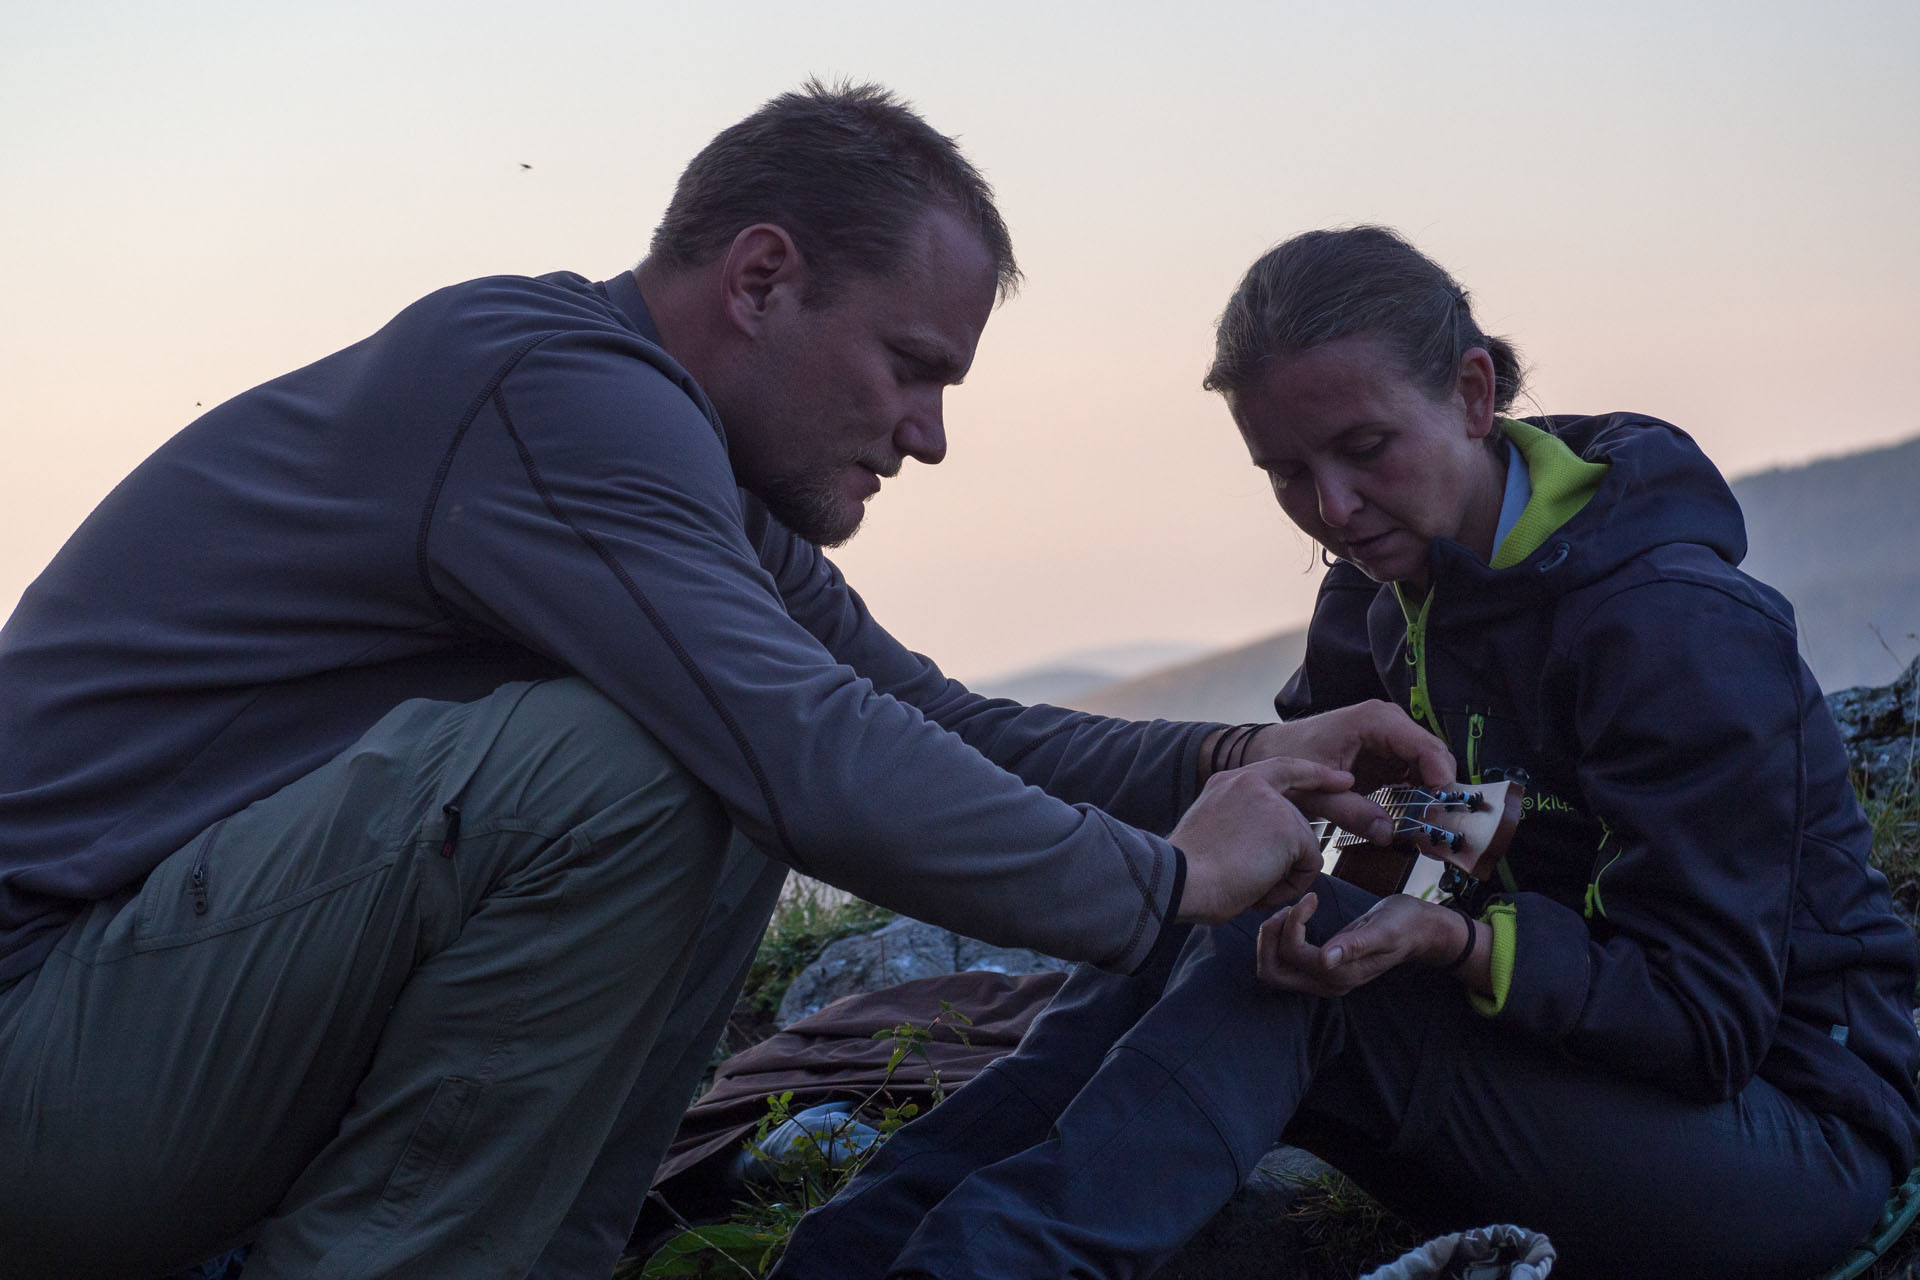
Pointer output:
1395, 929
1247, 843
1377, 742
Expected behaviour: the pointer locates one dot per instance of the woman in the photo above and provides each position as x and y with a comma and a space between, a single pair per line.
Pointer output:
1674, 1034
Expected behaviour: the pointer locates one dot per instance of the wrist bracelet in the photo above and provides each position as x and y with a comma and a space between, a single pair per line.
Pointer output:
1230, 748
1215, 757
1473, 936
1237, 754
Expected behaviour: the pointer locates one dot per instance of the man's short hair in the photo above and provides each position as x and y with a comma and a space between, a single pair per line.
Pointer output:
847, 170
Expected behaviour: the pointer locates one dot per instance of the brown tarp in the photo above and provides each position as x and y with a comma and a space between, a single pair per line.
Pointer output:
833, 1055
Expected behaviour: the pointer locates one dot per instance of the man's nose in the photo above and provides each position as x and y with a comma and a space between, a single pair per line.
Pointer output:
922, 434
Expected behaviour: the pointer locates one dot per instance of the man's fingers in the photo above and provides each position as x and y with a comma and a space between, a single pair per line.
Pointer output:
1350, 811
1290, 773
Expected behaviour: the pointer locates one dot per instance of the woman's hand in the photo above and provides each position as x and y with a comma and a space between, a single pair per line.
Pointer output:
1394, 930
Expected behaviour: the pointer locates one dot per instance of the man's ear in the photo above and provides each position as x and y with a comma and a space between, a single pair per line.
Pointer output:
1477, 390
763, 274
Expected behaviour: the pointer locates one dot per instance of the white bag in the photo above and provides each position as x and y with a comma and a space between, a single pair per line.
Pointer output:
1484, 1253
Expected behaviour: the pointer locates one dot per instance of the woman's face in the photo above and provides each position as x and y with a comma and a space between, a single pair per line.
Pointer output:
1371, 465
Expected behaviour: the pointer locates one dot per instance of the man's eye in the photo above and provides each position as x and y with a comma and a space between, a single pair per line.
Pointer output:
912, 368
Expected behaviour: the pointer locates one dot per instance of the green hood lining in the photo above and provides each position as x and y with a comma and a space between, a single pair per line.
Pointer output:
1562, 481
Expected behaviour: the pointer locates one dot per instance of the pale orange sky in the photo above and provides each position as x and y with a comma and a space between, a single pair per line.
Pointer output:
1702, 211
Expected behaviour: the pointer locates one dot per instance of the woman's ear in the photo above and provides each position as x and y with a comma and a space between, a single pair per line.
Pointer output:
1477, 390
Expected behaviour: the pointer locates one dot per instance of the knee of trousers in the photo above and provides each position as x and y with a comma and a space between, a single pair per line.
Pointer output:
556, 773
566, 753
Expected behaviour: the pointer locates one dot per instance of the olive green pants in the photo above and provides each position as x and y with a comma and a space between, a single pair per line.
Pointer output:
432, 1010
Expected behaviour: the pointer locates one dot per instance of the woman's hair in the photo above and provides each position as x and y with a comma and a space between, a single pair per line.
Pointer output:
1355, 282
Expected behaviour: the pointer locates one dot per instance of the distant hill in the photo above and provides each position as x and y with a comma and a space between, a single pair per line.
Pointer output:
1063, 680
1235, 686
1840, 538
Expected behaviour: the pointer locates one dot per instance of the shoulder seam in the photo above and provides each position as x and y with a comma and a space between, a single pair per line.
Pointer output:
659, 623
446, 465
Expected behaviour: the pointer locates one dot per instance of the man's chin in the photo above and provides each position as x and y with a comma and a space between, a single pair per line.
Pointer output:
823, 519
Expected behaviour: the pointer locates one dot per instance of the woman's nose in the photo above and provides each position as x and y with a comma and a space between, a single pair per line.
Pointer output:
1338, 501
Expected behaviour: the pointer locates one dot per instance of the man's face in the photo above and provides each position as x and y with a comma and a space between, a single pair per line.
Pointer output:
838, 396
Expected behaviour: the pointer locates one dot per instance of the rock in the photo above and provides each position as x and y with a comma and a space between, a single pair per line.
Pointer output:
1252, 1235
1880, 725
901, 951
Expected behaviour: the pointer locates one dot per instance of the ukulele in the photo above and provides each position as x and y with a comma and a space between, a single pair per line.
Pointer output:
1441, 837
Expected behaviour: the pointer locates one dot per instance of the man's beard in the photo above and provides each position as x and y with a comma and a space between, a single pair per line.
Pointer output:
811, 505
811, 508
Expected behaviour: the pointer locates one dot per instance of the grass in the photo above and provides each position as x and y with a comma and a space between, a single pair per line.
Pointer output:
1896, 844
1346, 1231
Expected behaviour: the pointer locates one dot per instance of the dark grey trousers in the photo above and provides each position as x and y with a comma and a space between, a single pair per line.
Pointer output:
1130, 1113
372, 1043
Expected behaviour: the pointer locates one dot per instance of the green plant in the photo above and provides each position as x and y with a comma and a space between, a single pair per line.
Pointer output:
807, 1171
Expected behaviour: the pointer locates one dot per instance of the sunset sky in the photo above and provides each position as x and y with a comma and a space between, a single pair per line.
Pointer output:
1702, 211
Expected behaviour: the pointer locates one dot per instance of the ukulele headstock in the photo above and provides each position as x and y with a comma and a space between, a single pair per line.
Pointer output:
1467, 826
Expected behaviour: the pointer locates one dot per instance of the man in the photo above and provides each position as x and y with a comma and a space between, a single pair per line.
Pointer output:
384, 764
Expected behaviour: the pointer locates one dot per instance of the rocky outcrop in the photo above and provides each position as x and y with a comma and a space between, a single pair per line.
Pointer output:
1881, 725
899, 952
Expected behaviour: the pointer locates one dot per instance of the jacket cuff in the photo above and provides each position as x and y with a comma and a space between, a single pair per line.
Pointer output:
1545, 995
1186, 787
1498, 917
1173, 934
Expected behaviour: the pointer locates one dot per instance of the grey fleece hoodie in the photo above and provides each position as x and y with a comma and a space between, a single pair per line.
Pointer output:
512, 480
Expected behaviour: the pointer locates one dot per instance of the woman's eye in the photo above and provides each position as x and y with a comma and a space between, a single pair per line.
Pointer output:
1281, 477
1361, 450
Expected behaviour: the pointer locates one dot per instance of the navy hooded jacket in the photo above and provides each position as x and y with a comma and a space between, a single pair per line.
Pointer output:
1689, 899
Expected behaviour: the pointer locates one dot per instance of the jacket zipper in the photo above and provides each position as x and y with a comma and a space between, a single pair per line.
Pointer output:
1593, 905
197, 876
1419, 700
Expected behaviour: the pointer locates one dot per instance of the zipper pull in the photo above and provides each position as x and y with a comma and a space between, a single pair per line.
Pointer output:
199, 888
453, 829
